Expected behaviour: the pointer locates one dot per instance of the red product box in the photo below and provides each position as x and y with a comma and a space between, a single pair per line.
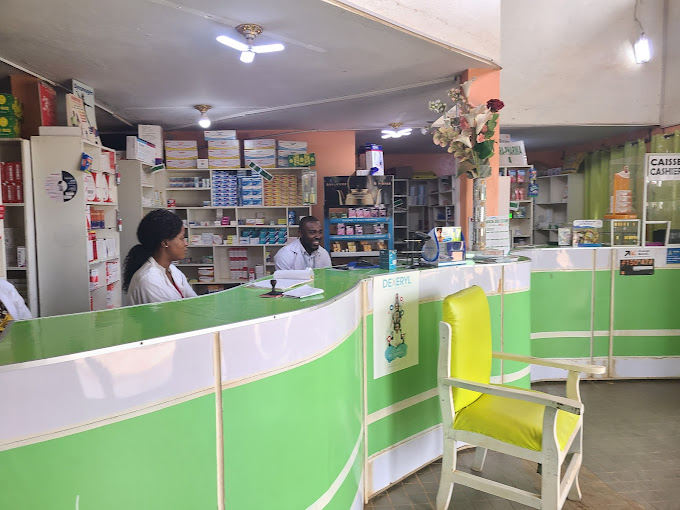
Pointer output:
3, 171
20, 192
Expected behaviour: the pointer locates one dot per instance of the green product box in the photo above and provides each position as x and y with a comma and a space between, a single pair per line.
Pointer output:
10, 105
10, 126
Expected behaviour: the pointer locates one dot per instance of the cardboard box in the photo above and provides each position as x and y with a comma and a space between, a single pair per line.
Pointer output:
224, 163
176, 164
225, 134
141, 150
10, 126
224, 154
171, 145
223, 144
262, 163
182, 154
202, 163
259, 153
291, 145
10, 105
260, 143
58, 131
154, 135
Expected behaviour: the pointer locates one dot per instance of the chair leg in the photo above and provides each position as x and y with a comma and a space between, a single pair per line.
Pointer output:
480, 457
449, 459
576, 447
550, 484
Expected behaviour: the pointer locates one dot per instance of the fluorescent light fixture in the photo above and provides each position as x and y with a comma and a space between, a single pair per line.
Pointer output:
641, 49
247, 56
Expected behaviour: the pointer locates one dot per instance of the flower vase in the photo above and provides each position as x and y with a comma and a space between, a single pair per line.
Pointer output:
478, 214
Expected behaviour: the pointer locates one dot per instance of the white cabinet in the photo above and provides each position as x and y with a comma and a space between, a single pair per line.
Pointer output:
521, 204
71, 276
559, 202
17, 251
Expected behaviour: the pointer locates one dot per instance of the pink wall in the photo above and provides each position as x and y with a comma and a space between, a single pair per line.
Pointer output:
440, 164
335, 151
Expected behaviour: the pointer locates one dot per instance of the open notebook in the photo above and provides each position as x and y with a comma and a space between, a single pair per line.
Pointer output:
286, 279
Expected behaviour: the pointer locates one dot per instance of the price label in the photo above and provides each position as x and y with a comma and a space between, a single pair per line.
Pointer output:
637, 266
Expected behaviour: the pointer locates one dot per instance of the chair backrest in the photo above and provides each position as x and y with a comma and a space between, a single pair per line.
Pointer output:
467, 312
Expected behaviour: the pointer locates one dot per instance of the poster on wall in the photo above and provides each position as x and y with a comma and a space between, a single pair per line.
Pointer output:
395, 322
86, 94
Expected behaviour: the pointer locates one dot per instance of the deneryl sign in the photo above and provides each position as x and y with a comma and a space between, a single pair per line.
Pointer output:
662, 167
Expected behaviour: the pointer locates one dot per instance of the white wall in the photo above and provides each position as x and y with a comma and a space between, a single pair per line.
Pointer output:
670, 114
472, 26
571, 62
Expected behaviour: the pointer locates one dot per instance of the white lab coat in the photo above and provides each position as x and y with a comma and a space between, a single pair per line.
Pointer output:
150, 285
294, 256
13, 301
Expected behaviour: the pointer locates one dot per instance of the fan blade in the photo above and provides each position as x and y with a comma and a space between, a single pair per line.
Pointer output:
267, 48
232, 43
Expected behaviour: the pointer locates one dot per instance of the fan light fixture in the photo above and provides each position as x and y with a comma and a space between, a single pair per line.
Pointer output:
250, 31
395, 132
641, 47
204, 121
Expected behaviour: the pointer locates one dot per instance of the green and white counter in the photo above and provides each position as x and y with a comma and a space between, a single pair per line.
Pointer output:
262, 403
583, 309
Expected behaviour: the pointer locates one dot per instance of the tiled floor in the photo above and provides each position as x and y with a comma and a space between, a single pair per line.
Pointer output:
631, 456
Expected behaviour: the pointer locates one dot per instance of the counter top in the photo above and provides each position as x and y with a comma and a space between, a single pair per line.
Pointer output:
68, 335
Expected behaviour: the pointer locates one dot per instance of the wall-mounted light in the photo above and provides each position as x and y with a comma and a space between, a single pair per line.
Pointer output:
641, 47
204, 121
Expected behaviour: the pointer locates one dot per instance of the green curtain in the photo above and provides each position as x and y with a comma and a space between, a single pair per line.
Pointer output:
663, 198
597, 182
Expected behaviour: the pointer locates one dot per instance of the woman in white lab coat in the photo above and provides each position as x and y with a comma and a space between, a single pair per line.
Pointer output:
149, 275
12, 306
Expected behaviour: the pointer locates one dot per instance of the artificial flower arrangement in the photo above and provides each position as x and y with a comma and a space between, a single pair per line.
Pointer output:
468, 130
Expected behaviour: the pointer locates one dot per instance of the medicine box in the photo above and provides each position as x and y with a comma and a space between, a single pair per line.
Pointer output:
388, 259
260, 143
140, 150
153, 134
224, 134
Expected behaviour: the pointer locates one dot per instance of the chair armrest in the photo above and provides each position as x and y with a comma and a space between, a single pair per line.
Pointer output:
574, 367
565, 404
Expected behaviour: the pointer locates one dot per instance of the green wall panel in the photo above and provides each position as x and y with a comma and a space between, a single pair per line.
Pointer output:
647, 301
165, 459
516, 323
348, 490
403, 424
292, 433
561, 347
561, 301
603, 281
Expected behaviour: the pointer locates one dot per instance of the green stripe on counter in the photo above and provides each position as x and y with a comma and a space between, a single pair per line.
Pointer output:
278, 428
403, 424
647, 346
164, 459
647, 301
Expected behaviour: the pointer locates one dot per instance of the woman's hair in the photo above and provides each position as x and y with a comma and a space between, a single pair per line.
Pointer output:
155, 227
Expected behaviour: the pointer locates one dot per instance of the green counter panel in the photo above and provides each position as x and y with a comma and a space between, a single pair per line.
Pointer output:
164, 459
647, 301
323, 420
569, 347
401, 425
649, 346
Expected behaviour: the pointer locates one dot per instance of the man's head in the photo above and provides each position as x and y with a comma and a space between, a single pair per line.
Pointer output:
311, 233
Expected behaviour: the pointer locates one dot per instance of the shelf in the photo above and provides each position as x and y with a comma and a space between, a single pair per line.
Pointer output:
355, 253
193, 264
102, 203
401, 226
400, 196
10, 140
522, 235
187, 169
213, 226
188, 189
263, 226
521, 201
99, 261
551, 203
381, 219
363, 237
104, 285
148, 186
14, 204
15, 268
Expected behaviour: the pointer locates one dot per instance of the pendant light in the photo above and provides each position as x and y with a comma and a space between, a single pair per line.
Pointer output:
204, 121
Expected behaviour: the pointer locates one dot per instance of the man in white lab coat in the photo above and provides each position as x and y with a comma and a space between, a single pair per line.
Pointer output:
306, 252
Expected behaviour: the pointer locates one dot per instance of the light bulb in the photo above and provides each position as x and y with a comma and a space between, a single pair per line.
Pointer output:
204, 121
247, 56
641, 49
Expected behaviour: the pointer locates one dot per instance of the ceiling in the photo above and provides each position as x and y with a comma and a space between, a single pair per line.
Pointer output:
149, 61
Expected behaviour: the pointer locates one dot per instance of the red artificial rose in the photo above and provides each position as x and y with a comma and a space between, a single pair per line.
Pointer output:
494, 105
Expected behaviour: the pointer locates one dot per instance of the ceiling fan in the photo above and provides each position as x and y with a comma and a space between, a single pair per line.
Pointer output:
250, 31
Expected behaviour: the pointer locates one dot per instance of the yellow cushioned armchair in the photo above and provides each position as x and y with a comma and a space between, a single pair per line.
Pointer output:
528, 424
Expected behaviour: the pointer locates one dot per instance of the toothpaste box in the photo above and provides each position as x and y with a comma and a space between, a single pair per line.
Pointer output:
171, 145
259, 153
223, 144
224, 154
260, 143
225, 134
224, 163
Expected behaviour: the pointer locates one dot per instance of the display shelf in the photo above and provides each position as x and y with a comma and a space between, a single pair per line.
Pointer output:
104, 204
16, 268
15, 204
559, 202
194, 264
362, 237
521, 209
101, 261
213, 226
204, 188
359, 220
340, 254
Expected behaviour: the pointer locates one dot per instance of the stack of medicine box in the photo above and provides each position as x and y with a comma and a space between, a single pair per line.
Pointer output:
223, 149
251, 191
238, 263
181, 154
282, 190
11, 116
224, 189
261, 152
288, 148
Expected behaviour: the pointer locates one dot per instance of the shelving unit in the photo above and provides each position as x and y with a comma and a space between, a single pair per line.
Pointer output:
18, 226
401, 214
62, 236
442, 199
559, 203
358, 215
522, 219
